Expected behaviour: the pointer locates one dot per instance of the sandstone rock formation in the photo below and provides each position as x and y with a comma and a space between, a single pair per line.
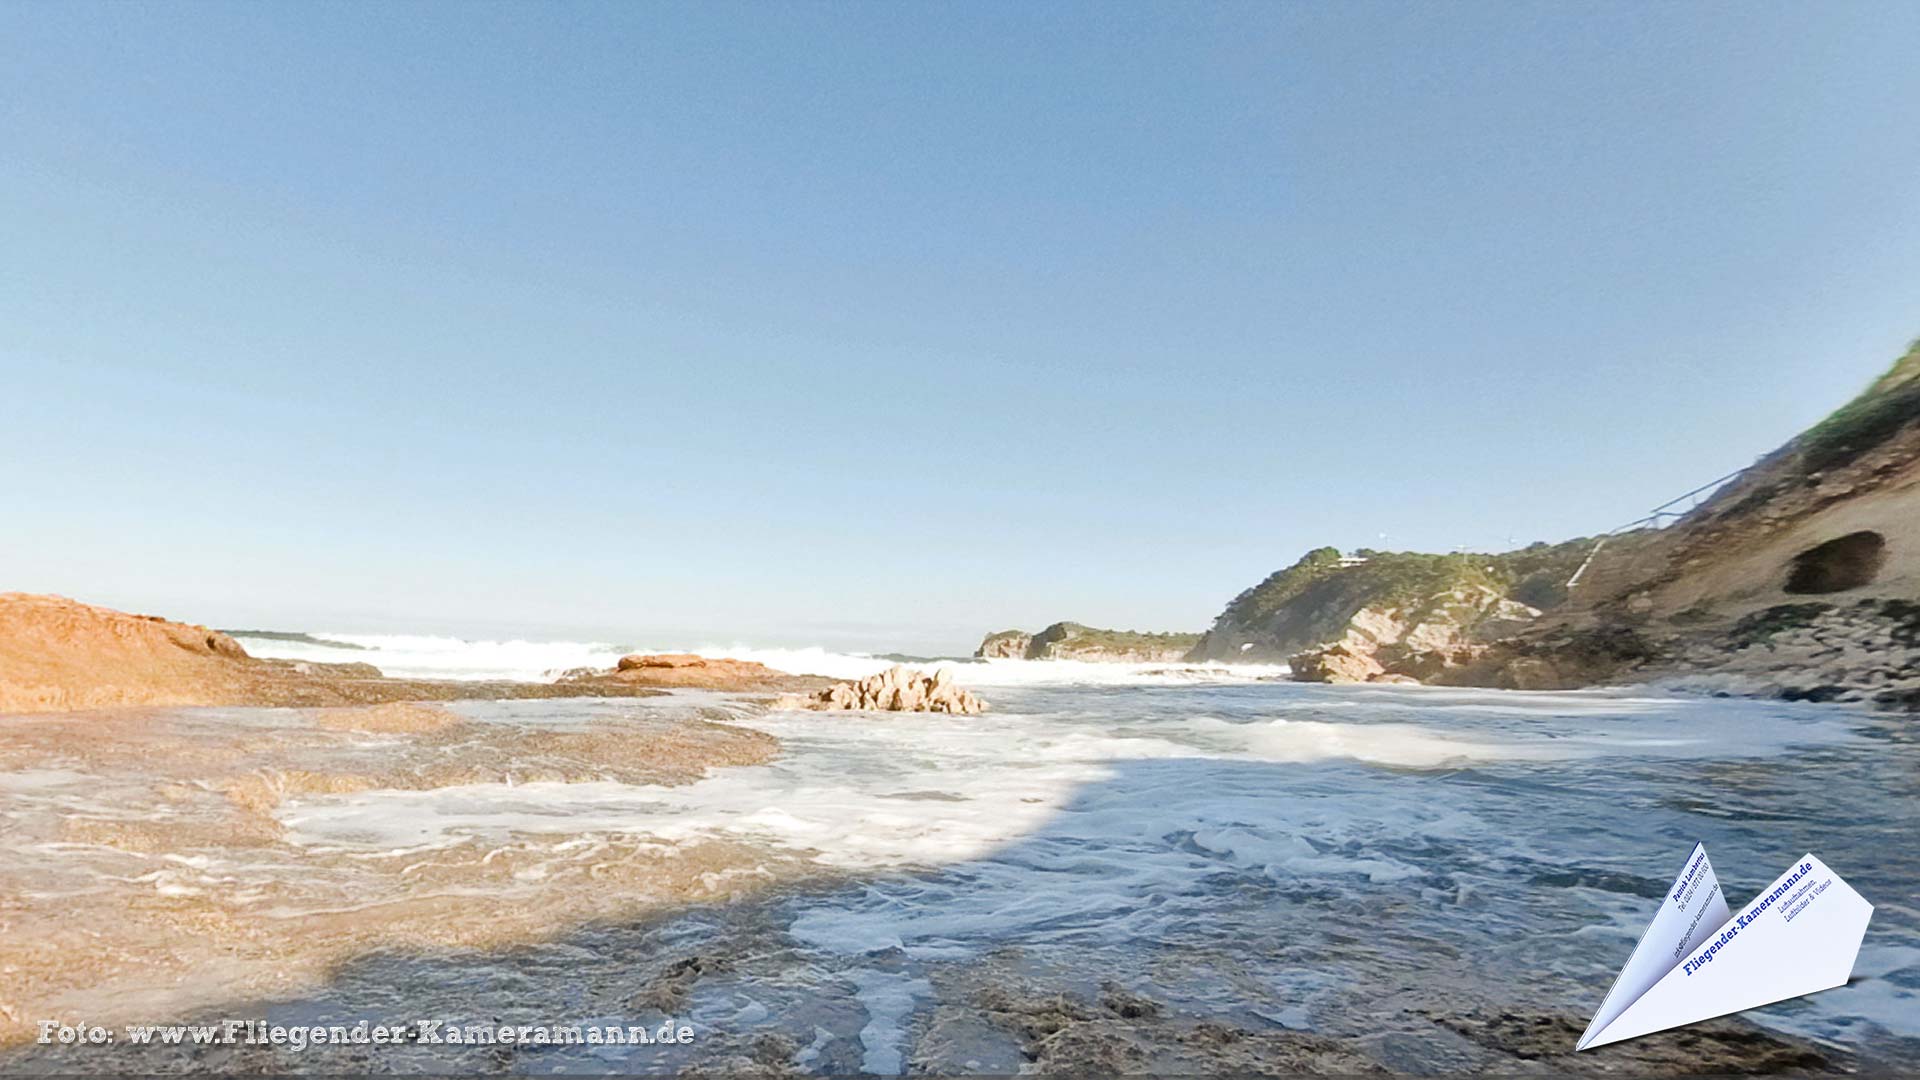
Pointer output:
1074, 641
1335, 663
690, 671
1418, 640
897, 689
58, 654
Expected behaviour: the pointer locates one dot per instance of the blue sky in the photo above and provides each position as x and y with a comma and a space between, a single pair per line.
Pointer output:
887, 325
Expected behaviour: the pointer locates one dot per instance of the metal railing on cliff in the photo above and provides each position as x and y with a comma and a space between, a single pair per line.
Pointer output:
1662, 516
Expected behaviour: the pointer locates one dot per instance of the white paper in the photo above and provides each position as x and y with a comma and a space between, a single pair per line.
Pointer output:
1697, 960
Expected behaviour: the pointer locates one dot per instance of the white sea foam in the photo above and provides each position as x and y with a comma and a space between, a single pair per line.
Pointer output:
419, 656
1090, 673
924, 789
1405, 745
889, 999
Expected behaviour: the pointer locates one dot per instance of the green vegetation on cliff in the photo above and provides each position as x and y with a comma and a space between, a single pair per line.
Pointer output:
1094, 638
1534, 575
1891, 403
1077, 641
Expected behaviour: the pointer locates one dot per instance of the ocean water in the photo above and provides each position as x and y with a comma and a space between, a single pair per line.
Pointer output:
1350, 861
431, 657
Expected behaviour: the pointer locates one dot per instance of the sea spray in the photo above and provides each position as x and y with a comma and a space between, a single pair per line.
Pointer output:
433, 657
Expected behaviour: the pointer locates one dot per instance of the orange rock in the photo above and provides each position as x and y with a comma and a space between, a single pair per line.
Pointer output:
688, 671
57, 654
665, 660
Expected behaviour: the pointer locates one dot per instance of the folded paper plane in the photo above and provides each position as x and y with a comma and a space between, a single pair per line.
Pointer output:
1698, 960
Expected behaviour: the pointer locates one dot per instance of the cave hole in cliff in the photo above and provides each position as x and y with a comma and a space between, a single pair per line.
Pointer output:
1845, 562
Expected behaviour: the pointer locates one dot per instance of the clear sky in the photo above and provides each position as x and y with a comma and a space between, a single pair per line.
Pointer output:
887, 325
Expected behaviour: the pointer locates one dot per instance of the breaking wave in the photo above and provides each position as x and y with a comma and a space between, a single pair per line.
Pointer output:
417, 656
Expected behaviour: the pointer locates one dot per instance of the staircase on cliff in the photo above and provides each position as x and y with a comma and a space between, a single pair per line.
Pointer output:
1631, 554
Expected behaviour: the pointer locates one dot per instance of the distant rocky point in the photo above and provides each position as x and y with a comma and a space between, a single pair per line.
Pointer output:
1004, 645
1073, 641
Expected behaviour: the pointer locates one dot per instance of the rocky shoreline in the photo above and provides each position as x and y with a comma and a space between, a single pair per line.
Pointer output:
1798, 578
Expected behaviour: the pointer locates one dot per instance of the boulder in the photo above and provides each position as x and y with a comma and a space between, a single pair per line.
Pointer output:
897, 689
1337, 663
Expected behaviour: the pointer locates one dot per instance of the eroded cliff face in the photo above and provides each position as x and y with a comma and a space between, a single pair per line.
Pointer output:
1799, 578
1074, 641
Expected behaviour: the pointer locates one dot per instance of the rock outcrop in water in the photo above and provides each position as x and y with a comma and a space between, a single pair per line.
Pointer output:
1074, 641
690, 671
897, 689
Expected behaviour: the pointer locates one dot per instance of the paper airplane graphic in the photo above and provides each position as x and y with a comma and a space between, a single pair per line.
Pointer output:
1698, 961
